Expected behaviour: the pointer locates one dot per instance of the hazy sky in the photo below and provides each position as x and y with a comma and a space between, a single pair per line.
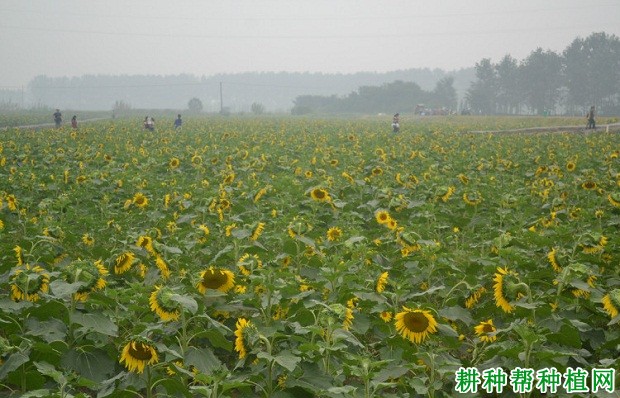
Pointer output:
205, 37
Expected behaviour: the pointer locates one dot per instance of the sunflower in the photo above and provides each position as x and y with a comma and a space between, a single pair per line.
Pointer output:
123, 262
553, 260
486, 331
448, 193
260, 227
229, 179
161, 304
259, 194
247, 260
88, 240
611, 303
415, 325
392, 224
377, 171
382, 281
140, 200
334, 234
320, 195
92, 275
137, 354
241, 326
28, 283
463, 178
19, 255
386, 316
382, 216
504, 283
571, 166
472, 198
11, 202
146, 242
474, 297
174, 163
614, 199
589, 185
216, 279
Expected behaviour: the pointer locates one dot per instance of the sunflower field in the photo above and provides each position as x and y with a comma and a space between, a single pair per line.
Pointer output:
305, 258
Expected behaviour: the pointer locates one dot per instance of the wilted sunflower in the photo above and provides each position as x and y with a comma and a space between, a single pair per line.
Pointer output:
28, 282
611, 303
140, 200
382, 282
320, 195
124, 262
137, 354
486, 331
216, 279
334, 234
415, 325
241, 326
162, 305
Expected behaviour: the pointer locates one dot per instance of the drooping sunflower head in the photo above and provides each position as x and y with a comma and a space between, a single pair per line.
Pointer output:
415, 325
507, 288
334, 234
138, 353
320, 195
124, 262
614, 199
28, 282
146, 242
91, 274
162, 304
244, 332
472, 198
474, 297
377, 171
486, 331
382, 282
216, 279
611, 303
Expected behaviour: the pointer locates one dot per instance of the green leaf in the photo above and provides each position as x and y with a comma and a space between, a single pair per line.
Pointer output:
186, 302
287, 360
93, 364
95, 323
203, 359
13, 362
49, 370
456, 313
51, 330
64, 290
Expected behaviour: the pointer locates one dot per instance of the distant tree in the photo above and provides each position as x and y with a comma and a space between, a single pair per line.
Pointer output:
482, 95
541, 80
508, 85
444, 94
257, 108
592, 71
194, 105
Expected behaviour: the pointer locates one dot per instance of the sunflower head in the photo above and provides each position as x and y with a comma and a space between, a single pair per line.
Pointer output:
245, 335
415, 325
382, 216
320, 195
162, 304
138, 353
174, 163
486, 331
334, 234
92, 276
216, 279
124, 262
507, 288
140, 200
28, 282
382, 282
611, 303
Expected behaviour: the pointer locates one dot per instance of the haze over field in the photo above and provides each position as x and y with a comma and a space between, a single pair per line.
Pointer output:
73, 38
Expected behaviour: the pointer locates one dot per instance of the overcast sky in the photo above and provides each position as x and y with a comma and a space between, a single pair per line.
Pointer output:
205, 37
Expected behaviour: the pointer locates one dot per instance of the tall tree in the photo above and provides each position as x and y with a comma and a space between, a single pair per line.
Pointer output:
541, 80
482, 95
508, 87
592, 71
444, 94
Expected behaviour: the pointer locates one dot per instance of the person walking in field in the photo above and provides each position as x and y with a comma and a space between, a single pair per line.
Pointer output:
57, 118
178, 123
396, 123
590, 116
74, 122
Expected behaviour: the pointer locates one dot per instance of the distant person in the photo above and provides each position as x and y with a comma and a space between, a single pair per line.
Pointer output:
590, 116
178, 123
396, 123
149, 123
74, 122
57, 118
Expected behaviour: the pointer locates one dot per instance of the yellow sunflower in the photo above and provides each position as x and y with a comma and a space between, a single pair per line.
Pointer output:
320, 195
146, 242
415, 325
382, 282
260, 227
589, 185
163, 267
241, 326
503, 280
472, 198
386, 316
571, 166
611, 303
553, 260
92, 275
28, 282
88, 240
216, 279
161, 304
486, 331
382, 216
614, 199
123, 262
174, 163
334, 234
140, 200
137, 354
474, 297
